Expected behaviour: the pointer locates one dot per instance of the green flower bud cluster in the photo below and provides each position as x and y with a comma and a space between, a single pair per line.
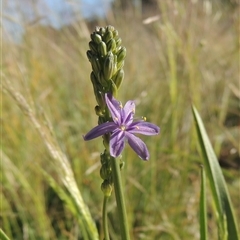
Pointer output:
106, 56
106, 174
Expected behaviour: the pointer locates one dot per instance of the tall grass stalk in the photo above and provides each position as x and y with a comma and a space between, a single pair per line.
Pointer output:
172, 62
61, 161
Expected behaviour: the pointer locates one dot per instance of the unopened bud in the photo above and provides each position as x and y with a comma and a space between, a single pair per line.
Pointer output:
102, 79
114, 89
99, 111
101, 31
121, 54
121, 165
107, 188
105, 171
99, 98
111, 45
95, 65
102, 49
89, 55
118, 42
94, 80
96, 37
93, 46
108, 66
104, 157
110, 28
115, 33
107, 36
118, 78
120, 64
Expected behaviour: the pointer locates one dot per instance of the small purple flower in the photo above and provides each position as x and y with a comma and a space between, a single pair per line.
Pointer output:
123, 128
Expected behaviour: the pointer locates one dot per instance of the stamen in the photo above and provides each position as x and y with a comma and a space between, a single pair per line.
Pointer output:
123, 128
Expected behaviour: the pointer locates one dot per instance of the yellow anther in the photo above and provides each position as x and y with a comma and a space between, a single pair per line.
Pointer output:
123, 128
144, 119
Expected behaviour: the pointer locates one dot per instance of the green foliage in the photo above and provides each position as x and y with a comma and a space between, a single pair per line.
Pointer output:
203, 208
227, 226
189, 54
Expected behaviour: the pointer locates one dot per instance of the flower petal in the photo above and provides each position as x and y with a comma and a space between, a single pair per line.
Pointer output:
138, 146
115, 108
117, 142
100, 130
145, 128
128, 112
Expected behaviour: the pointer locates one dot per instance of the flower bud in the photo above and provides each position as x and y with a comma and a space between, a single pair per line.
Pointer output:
101, 30
120, 64
105, 158
118, 78
96, 66
115, 33
89, 55
99, 112
94, 80
107, 188
111, 45
96, 37
93, 46
108, 66
102, 79
115, 58
102, 49
114, 89
118, 42
99, 98
108, 36
110, 28
121, 165
105, 171
121, 54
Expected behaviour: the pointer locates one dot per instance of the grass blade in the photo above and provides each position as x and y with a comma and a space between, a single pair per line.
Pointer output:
203, 208
60, 160
3, 236
227, 225
68, 200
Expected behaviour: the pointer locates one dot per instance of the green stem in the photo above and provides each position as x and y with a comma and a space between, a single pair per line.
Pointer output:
3, 236
104, 216
120, 199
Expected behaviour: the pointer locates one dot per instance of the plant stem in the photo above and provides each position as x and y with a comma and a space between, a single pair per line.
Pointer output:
104, 216
120, 199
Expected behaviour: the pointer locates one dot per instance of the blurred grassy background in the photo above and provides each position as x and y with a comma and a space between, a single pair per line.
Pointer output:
188, 54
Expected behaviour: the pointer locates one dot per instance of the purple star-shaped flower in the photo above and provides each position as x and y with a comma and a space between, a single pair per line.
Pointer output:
123, 128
